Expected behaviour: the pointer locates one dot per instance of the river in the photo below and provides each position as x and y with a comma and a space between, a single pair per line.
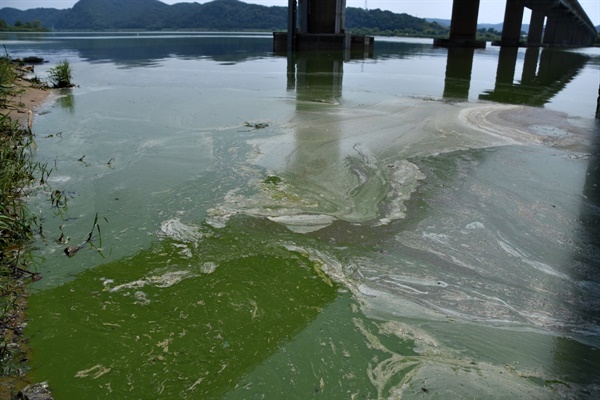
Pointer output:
415, 223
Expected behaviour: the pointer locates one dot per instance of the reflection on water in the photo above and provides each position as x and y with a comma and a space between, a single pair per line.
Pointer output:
145, 50
66, 100
458, 73
539, 81
316, 225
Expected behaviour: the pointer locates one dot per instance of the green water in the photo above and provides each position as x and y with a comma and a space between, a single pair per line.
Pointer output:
412, 225
185, 327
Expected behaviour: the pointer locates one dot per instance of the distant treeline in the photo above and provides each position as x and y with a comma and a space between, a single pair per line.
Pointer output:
29, 26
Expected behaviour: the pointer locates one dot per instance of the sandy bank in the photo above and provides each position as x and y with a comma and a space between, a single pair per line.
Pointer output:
28, 98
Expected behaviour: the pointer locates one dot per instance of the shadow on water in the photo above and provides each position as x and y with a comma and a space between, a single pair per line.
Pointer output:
459, 65
131, 50
545, 73
574, 360
589, 219
316, 77
146, 50
66, 100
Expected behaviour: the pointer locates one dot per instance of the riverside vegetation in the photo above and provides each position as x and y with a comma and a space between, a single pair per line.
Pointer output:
18, 173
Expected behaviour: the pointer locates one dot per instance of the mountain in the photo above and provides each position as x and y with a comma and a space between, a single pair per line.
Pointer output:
381, 20
228, 15
442, 22
111, 14
154, 15
220, 15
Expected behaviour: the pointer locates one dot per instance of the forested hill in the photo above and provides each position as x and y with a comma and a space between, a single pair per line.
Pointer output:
215, 15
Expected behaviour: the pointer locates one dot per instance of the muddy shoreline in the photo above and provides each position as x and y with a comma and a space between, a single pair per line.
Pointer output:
27, 96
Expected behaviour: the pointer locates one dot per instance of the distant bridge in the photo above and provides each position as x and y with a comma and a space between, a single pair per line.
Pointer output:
558, 23
566, 24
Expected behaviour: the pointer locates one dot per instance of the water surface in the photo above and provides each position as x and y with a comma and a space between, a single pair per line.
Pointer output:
420, 223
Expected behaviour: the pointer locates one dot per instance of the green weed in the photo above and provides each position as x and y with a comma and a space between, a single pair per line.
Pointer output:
61, 75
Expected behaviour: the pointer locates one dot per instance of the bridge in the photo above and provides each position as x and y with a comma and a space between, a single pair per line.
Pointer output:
554, 23
566, 24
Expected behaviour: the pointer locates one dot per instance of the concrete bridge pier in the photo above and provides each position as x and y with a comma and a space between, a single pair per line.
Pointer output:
513, 17
579, 35
567, 24
463, 28
318, 24
556, 28
565, 28
536, 26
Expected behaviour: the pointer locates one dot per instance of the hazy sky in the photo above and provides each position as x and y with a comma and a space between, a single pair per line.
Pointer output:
490, 11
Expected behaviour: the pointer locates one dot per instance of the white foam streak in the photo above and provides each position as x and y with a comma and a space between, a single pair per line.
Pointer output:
177, 230
165, 280
535, 264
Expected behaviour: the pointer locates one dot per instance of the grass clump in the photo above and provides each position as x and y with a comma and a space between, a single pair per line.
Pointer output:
273, 180
61, 75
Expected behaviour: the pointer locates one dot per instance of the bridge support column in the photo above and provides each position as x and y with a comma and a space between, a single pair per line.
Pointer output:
463, 27
302, 18
565, 31
551, 26
513, 17
291, 32
325, 16
577, 35
573, 35
556, 33
318, 24
536, 26
582, 37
